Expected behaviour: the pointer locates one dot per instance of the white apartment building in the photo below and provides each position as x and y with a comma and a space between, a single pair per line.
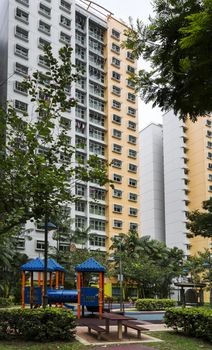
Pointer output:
95, 36
151, 183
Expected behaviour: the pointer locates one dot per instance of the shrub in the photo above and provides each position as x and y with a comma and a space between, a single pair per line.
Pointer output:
37, 324
5, 302
196, 322
154, 304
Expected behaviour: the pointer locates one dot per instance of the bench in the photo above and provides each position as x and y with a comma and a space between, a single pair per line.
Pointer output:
96, 328
133, 325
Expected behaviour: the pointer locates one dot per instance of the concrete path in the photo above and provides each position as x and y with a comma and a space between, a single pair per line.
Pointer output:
123, 347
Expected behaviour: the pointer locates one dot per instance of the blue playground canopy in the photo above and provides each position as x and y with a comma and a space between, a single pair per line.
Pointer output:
90, 265
38, 265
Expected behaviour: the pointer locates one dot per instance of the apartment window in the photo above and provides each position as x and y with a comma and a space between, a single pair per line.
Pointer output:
79, 37
132, 153
97, 225
65, 38
97, 209
97, 241
65, 123
96, 104
130, 56
44, 27
80, 96
96, 89
131, 125
133, 226
132, 182
42, 43
96, 118
80, 112
131, 111
80, 206
116, 62
116, 90
209, 177
20, 243
117, 208
19, 87
117, 193
132, 139
21, 106
96, 46
96, 148
208, 122
117, 224
130, 84
117, 133
131, 97
132, 168
96, 32
209, 155
80, 222
80, 190
22, 33
20, 69
210, 188
115, 48
115, 34
209, 133
133, 197
80, 127
209, 144
116, 76
116, 119
44, 10
97, 193
65, 5
96, 133
117, 178
80, 142
210, 166
22, 15
65, 21
40, 245
21, 51
117, 148
117, 163
43, 61
133, 212
96, 74
23, 2
64, 247
116, 104
130, 69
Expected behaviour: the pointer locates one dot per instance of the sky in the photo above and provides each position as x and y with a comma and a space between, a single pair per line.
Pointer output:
136, 9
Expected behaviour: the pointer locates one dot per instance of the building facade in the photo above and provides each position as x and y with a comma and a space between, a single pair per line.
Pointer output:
151, 182
105, 119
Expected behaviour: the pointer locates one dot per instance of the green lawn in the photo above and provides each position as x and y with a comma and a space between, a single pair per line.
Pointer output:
171, 341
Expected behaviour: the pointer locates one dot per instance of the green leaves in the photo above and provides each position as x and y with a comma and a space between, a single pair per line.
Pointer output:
200, 223
177, 45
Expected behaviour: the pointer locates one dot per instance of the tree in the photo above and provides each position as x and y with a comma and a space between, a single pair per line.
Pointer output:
178, 44
200, 223
37, 159
147, 263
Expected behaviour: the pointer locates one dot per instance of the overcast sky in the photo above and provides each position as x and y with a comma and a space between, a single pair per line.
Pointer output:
136, 9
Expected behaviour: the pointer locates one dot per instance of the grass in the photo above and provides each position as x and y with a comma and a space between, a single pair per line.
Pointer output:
171, 341
175, 341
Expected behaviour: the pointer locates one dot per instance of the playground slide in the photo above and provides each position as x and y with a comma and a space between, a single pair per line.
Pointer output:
62, 296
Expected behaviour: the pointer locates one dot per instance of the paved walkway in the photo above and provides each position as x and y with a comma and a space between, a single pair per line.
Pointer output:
124, 347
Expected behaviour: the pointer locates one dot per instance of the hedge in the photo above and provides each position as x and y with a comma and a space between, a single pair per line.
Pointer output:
37, 324
5, 302
154, 304
196, 322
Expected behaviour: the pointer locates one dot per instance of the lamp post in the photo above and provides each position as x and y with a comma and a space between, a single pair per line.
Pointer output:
121, 284
208, 265
48, 226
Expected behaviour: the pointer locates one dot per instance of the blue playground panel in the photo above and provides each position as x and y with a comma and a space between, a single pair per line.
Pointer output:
89, 296
37, 295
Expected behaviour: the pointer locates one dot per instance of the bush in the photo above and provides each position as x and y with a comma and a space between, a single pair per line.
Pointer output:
154, 304
37, 324
196, 322
5, 302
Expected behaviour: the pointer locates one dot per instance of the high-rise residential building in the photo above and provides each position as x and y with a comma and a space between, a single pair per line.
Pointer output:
151, 182
105, 119
185, 150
